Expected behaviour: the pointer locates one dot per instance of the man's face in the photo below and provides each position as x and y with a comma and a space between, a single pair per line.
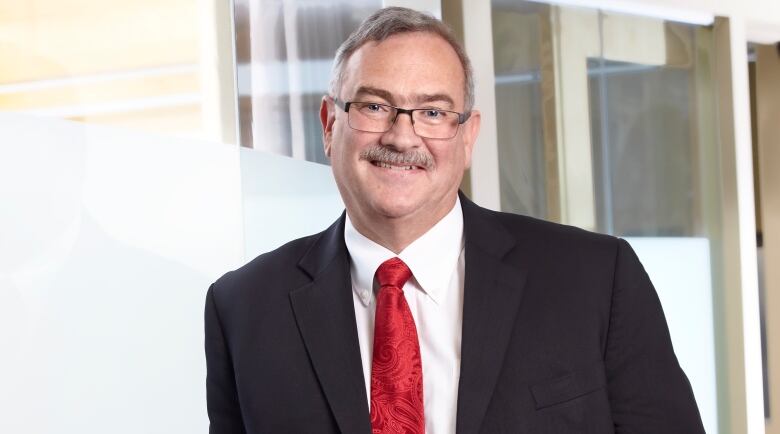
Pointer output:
411, 70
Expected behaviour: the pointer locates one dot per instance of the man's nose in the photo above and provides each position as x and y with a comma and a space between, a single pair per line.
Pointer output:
401, 135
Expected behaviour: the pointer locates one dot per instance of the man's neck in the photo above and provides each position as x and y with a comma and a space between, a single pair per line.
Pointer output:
395, 234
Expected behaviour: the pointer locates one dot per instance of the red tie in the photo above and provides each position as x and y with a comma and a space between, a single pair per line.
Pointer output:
396, 369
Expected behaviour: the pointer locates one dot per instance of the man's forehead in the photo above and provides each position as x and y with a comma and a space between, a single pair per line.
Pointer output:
369, 91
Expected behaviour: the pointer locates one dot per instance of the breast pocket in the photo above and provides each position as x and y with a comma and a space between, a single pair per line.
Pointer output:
576, 384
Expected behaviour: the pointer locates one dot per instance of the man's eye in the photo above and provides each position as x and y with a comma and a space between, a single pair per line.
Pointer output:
433, 114
374, 107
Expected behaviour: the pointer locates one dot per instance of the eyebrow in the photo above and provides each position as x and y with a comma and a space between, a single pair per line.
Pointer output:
417, 98
381, 93
424, 98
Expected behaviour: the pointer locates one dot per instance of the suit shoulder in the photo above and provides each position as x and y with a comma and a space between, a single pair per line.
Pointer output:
556, 236
280, 264
566, 256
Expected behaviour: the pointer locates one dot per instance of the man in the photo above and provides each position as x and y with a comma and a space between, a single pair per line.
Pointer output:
418, 311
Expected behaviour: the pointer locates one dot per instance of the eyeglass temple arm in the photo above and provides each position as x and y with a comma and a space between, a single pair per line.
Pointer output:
341, 104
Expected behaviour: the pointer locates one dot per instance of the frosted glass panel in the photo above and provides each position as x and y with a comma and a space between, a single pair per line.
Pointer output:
108, 242
284, 199
680, 271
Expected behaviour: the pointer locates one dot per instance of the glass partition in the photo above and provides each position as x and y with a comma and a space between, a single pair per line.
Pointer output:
646, 125
285, 51
109, 240
516, 30
607, 122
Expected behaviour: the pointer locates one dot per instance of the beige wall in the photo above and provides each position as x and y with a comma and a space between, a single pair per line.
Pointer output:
128, 64
760, 11
761, 17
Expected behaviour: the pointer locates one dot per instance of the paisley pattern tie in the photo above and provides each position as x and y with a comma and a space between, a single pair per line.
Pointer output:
396, 367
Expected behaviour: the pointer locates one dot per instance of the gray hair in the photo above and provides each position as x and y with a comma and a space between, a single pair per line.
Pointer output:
396, 20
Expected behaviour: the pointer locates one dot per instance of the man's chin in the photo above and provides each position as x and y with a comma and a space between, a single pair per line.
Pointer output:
396, 209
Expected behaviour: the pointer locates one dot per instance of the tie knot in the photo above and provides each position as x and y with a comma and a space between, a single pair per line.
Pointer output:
393, 272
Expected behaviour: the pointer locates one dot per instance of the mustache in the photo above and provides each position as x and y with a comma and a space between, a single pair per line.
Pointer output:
386, 155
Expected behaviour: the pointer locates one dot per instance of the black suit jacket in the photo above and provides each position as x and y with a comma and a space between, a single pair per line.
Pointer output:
562, 333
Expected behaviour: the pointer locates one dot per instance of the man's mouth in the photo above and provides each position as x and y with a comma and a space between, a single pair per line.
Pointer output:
392, 166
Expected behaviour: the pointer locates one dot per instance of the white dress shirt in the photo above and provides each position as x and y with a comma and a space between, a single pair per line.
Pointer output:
435, 297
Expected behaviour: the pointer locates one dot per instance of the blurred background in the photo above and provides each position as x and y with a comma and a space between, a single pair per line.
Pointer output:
148, 147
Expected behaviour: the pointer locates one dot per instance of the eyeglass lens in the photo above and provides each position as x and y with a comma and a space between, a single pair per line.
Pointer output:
379, 118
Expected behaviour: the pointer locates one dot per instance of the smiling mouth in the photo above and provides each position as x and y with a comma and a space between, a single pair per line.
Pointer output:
384, 165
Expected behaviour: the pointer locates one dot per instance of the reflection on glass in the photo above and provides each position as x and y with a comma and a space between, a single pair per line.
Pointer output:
285, 51
516, 27
644, 133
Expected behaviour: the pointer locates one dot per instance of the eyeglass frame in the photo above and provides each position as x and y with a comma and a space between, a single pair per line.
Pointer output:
344, 105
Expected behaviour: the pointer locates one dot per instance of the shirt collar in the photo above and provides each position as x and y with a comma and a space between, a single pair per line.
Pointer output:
432, 257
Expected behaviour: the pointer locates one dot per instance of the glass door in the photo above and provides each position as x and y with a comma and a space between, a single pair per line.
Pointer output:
607, 122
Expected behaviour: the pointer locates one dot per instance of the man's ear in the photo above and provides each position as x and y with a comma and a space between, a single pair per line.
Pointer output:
327, 118
470, 133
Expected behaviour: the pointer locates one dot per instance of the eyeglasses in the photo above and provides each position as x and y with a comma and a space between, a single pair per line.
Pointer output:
430, 123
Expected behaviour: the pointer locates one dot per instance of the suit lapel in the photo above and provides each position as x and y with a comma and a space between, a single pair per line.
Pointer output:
492, 294
325, 315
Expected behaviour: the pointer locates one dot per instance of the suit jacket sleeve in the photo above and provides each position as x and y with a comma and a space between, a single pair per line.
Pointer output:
648, 391
221, 394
